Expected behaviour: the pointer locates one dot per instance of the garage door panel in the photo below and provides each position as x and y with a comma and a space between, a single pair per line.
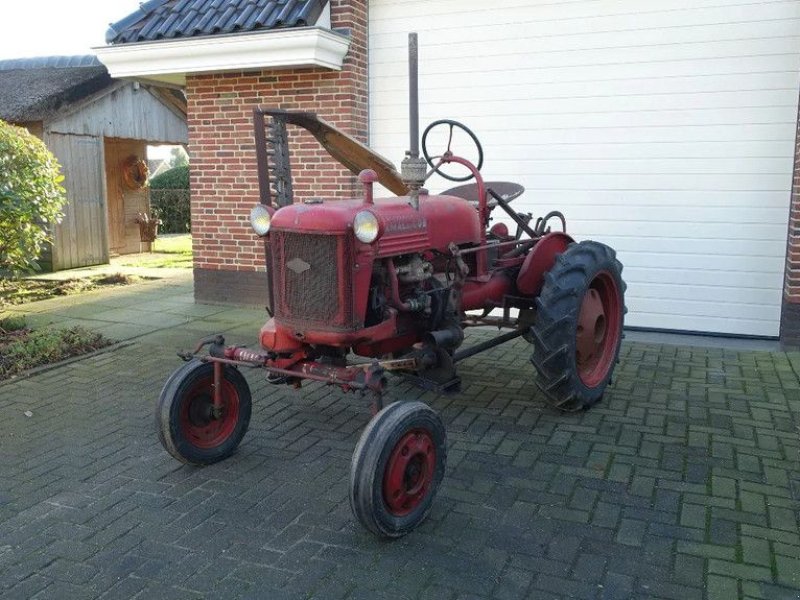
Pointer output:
731, 151
595, 79
539, 199
711, 294
604, 104
506, 50
683, 250
627, 185
754, 182
744, 264
682, 233
546, 18
665, 130
648, 166
680, 277
393, 138
700, 308
538, 70
651, 118
703, 324
563, 9
713, 221
766, 37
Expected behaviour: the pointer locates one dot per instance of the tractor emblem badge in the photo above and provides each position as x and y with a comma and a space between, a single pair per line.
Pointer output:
298, 265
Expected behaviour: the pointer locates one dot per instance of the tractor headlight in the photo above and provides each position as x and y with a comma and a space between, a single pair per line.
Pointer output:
366, 227
260, 219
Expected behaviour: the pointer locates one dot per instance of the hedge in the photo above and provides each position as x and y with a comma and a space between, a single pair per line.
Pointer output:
169, 198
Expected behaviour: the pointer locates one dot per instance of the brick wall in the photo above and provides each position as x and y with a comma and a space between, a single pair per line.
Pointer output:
790, 315
228, 257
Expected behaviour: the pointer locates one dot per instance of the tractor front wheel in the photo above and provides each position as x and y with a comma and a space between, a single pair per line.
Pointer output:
189, 427
397, 467
578, 326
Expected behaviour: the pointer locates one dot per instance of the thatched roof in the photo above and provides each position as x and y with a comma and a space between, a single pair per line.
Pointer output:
38, 89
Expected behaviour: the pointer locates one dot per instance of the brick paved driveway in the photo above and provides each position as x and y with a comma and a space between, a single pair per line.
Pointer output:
684, 483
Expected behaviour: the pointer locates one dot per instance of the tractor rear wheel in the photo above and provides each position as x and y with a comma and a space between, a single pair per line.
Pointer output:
577, 331
397, 467
188, 426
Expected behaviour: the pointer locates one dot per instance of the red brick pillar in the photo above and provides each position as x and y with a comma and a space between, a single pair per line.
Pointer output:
228, 257
790, 314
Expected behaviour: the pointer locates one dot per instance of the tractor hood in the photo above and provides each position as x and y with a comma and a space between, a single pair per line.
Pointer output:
439, 221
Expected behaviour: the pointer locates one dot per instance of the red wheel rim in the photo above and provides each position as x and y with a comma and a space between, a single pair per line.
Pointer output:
598, 330
409, 472
199, 424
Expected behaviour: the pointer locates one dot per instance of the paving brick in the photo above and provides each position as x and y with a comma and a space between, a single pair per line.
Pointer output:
688, 570
27, 588
685, 473
512, 584
756, 551
616, 586
631, 532
782, 518
606, 514
565, 587
693, 515
739, 571
722, 531
788, 570
721, 588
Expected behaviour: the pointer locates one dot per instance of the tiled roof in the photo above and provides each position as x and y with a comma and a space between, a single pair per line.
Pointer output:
170, 19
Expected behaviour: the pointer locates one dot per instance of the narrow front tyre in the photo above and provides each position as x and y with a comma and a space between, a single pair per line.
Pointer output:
189, 426
397, 467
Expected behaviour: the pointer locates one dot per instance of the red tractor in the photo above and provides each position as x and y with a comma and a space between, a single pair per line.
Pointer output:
395, 282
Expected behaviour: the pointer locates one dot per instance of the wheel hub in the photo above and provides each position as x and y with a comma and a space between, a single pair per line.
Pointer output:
598, 329
204, 425
201, 410
409, 472
591, 330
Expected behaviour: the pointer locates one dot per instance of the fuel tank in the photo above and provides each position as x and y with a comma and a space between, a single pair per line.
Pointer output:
439, 221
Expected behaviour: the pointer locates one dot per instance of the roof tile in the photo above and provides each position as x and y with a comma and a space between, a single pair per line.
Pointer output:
170, 19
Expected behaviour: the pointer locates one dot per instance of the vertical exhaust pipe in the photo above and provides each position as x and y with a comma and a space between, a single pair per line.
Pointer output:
413, 94
413, 169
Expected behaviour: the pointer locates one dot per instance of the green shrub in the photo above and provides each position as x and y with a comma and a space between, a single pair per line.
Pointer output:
12, 323
172, 179
31, 198
169, 198
45, 346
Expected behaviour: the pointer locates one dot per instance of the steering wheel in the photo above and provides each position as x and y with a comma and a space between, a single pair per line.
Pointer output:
430, 159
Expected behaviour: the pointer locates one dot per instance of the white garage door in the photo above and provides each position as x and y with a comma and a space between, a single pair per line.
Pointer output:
665, 129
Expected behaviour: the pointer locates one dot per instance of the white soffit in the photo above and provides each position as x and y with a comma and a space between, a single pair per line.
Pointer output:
171, 60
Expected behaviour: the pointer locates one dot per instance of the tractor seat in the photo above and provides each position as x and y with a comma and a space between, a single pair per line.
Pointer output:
505, 189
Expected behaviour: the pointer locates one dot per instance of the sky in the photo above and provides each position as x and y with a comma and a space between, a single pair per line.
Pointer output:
53, 27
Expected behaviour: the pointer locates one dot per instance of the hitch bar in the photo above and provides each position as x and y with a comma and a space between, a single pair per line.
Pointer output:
477, 348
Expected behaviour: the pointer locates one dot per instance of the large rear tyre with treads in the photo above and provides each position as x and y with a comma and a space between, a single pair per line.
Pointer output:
397, 467
189, 427
577, 331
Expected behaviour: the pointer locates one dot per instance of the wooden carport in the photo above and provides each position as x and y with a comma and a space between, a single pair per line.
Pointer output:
99, 129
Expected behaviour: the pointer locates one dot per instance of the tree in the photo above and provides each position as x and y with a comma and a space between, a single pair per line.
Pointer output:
31, 198
178, 157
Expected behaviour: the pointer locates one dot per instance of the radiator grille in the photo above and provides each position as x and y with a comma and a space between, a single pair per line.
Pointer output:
312, 275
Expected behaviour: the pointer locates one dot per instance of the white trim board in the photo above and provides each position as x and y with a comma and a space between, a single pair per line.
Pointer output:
171, 60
